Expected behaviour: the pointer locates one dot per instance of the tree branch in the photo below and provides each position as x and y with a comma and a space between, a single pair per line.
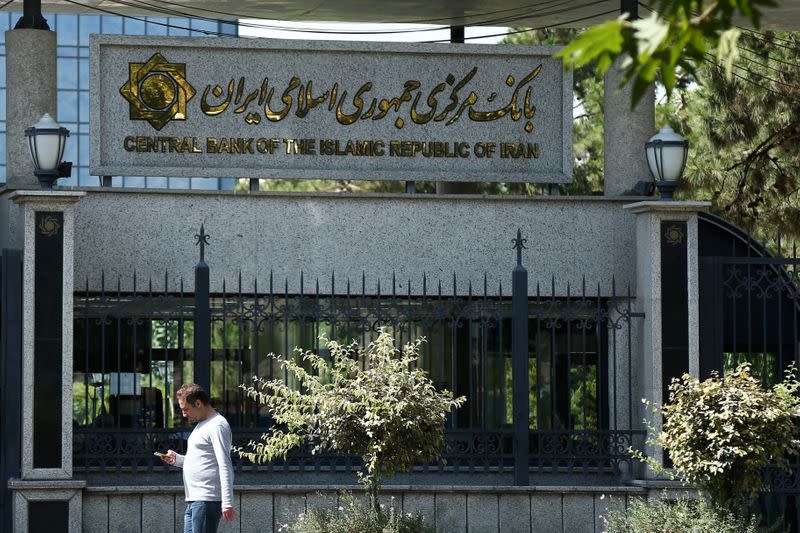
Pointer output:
699, 19
765, 146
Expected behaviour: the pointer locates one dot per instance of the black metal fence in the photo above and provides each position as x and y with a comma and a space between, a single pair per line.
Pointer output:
750, 312
781, 497
756, 316
136, 341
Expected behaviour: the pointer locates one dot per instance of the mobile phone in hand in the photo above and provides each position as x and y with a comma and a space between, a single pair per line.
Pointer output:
159, 455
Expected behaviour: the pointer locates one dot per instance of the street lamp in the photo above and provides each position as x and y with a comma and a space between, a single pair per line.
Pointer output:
47, 140
666, 156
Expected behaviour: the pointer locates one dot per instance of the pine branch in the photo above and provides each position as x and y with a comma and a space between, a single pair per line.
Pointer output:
768, 143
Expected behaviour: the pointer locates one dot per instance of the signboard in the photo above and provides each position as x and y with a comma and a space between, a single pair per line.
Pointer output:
250, 108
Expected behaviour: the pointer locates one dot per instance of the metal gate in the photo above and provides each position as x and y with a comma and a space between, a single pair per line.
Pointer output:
750, 311
10, 376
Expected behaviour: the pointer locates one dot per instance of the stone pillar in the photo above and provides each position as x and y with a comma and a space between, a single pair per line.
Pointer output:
47, 324
667, 292
47, 505
31, 92
625, 132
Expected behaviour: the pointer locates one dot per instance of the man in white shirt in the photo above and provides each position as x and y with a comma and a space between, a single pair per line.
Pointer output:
207, 467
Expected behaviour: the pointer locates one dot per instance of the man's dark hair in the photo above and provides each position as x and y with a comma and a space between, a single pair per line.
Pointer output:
191, 392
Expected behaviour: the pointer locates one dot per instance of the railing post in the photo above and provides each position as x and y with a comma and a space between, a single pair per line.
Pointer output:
519, 365
202, 317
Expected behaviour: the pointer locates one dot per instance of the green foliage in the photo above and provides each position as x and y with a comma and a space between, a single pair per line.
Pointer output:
678, 33
684, 516
587, 137
166, 334
387, 412
720, 433
764, 365
600, 44
350, 517
743, 133
86, 401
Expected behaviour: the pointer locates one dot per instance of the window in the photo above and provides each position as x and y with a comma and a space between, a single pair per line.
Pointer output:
133, 350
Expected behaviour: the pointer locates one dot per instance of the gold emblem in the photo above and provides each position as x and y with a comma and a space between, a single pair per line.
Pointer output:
157, 91
673, 235
49, 226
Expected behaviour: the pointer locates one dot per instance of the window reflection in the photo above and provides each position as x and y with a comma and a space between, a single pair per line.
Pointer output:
132, 352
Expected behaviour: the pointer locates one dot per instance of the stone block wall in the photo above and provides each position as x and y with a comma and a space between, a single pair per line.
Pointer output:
264, 509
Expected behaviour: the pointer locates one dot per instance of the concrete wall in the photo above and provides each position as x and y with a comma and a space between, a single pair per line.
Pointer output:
153, 231
452, 509
10, 222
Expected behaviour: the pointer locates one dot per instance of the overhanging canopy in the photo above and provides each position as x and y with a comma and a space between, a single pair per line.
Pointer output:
537, 13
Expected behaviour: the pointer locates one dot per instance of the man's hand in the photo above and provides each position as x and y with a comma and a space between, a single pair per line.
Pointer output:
228, 514
169, 457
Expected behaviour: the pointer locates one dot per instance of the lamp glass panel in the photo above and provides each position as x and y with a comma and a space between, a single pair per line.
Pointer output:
665, 161
651, 162
32, 150
47, 150
673, 162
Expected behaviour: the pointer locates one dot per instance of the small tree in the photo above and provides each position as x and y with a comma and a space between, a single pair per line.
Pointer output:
720, 433
388, 413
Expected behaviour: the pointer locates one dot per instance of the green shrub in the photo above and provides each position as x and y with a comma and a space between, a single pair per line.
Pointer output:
720, 433
353, 517
679, 516
387, 412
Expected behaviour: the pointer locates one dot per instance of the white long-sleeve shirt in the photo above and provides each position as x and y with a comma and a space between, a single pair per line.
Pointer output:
207, 467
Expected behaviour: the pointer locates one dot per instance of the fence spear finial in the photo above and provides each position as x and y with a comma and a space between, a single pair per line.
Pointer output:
202, 240
519, 244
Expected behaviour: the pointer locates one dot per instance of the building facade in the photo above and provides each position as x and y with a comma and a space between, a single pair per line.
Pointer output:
553, 315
